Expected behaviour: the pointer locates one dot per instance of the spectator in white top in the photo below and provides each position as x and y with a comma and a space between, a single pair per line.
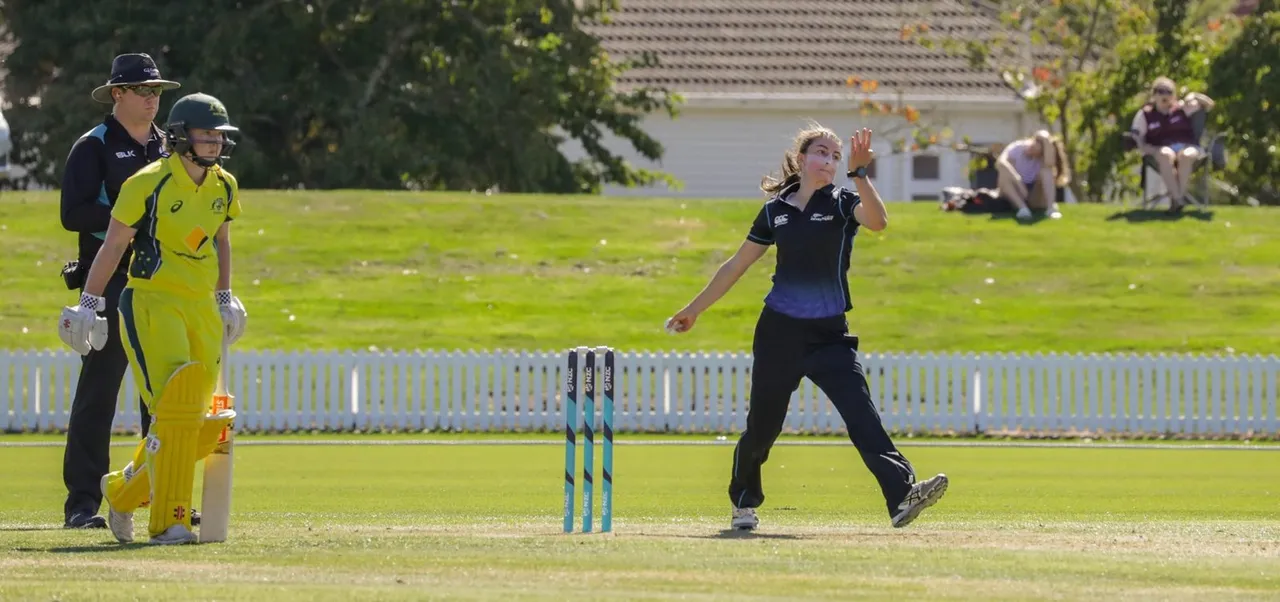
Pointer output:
1030, 172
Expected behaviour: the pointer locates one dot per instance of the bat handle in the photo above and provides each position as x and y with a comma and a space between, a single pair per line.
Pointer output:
222, 366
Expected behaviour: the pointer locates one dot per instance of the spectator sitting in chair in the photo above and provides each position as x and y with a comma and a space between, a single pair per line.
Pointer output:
1030, 172
1163, 130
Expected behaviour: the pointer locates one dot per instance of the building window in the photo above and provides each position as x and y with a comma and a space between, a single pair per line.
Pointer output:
925, 167
925, 197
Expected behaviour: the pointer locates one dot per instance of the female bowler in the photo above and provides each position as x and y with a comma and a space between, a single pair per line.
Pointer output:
802, 330
175, 311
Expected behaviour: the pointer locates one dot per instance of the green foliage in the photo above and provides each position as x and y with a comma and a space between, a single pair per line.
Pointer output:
1082, 67
1155, 45
1243, 79
405, 93
1041, 53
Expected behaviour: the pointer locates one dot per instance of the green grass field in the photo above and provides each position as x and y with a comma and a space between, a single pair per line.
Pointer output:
353, 270
478, 522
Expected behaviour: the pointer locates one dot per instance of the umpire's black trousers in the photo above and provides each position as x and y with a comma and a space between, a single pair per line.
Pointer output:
786, 350
87, 455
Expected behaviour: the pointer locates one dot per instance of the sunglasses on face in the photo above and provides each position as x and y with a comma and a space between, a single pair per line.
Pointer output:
1162, 91
145, 91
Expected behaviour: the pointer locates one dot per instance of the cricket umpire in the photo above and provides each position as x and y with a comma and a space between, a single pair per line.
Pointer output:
99, 163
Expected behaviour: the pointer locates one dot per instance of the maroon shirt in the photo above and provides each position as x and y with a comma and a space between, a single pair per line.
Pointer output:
1164, 129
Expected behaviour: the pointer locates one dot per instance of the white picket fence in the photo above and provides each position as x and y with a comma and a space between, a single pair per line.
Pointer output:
697, 392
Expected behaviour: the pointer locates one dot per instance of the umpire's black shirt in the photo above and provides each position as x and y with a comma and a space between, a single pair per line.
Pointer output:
99, 163
811, 278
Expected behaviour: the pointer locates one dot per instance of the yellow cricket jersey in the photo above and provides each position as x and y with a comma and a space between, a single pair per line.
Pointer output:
174, 248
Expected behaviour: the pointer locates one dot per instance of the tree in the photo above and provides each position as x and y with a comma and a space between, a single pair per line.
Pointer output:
1163, 45
469, 94
1245, 81
1039, 50
1079, 65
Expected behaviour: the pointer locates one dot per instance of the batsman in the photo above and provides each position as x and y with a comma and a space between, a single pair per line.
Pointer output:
177, 313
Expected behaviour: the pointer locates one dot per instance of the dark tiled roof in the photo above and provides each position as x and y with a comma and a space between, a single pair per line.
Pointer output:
795, 46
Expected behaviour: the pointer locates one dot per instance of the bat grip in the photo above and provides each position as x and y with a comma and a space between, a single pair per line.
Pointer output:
222, 367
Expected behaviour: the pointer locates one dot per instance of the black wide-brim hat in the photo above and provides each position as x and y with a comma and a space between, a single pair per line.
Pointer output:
132, 70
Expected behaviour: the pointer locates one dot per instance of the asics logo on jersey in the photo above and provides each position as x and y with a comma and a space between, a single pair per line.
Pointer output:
175, 207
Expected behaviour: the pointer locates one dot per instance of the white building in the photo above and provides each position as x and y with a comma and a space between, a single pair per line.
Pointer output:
753, 72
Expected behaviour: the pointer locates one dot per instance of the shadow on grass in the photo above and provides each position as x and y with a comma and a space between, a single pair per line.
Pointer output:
741, 534
1138, 216
105, 547
1133, 216
724, 534
1036, 217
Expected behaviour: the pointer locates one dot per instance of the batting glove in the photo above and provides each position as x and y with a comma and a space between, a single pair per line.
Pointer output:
233, 315
81, 327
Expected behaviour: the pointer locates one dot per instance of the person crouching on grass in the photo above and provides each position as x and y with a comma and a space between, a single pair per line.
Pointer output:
802, 330
1030, 172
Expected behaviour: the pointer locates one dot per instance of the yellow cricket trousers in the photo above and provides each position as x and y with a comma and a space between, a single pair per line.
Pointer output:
174, 345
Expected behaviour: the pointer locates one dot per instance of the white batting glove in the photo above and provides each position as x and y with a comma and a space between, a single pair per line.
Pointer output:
81, 328
233, 315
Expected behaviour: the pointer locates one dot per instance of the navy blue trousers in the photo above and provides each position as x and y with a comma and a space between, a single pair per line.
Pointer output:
786, 350
87, 455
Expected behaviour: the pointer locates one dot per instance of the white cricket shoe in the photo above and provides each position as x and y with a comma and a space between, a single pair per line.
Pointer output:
745, 519
1023, 214
175, 535
922, 495
121, 523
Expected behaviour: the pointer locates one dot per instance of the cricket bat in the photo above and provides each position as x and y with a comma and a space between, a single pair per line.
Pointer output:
215, 508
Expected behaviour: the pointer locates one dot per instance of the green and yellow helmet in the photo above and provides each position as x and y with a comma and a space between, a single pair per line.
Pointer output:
199, 111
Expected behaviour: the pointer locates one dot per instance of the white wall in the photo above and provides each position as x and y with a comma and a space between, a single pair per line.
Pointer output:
723, 152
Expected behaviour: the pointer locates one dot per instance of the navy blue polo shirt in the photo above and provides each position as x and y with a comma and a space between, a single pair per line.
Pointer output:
814, 244
99, 163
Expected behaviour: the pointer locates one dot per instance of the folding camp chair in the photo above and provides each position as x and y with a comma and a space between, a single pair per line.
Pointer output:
1214, 158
